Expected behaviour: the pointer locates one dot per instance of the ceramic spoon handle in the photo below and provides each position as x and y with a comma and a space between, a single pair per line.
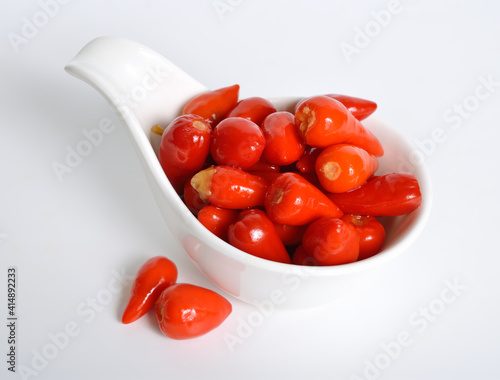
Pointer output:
137, 81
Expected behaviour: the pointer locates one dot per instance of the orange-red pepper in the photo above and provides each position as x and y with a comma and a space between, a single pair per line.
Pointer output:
344, 167
229, 187
323, 121
254, 233
388, 195
213, 105
155, 275
292, 200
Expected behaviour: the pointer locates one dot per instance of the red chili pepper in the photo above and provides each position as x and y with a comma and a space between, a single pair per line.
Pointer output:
184, 147
214, 105
228, 187
237, 142
269, 176
323, 121
290, 235
306, 163
192, 198
217, 220
311, 178
187, 311
370, 231
255, 109
155, 275
388, 195
283, 144
331, 241
292, 200
300, 257
360, 108
344, 167
263, 166
254, 233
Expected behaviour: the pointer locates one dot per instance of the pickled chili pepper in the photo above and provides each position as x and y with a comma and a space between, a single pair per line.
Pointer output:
255, 109
343, 167
300, 257
388, 195
290, 235
184, 147
323, 121
306, 163
254, 233
229, 187
360, 108
331, 241
283, 144
213, 105
292, 200
186, 311
217, 220
192, 198
237, 142
370, 231
155, 275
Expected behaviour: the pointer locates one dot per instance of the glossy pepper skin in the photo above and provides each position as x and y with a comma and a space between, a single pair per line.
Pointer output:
184, 148
360, 108
283, 144
322, 121
331, 241
388, 195
255, 109
263, 166
290, 235
213, 105
254, 233
187, 311
237, 142
192, 198
300, 257
155, 275
307, 162
343, 167
229, 187
292, 200
217, 220
370, 231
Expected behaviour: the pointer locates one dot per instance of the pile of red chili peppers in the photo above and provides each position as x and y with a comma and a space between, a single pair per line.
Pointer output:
295, 188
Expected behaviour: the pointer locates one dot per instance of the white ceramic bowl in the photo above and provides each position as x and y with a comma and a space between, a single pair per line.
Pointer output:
144, 88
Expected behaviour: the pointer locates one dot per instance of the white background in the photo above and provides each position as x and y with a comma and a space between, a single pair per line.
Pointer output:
68, 238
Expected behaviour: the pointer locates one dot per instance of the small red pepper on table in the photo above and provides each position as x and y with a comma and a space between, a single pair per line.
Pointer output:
155, 275
186, 311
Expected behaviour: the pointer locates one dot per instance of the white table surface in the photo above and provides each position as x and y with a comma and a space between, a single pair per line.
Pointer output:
432, 313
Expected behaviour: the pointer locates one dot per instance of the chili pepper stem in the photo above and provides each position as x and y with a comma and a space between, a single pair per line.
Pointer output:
331, 170
157, 130
307, 119
202, 182
278, 196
